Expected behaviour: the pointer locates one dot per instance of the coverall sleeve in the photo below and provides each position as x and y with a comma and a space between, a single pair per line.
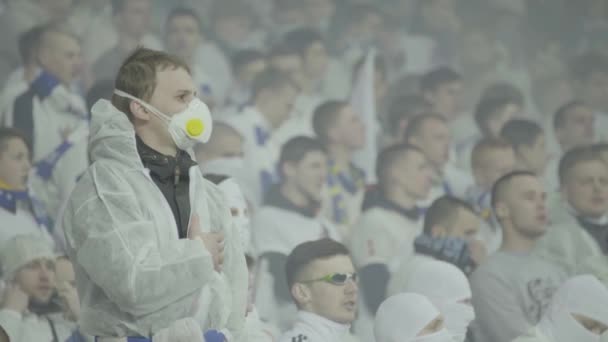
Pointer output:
116, 244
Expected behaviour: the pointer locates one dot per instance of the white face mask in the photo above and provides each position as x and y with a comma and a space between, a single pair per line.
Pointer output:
193, 124
224, 166
440, 336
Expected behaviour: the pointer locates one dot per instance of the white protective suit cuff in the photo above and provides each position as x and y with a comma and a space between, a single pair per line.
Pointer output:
11, 323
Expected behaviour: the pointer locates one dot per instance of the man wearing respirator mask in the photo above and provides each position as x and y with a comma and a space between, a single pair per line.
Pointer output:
145, 230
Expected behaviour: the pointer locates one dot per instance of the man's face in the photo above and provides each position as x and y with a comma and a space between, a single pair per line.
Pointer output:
60, 55
183, 36
586, 188
434, 140
316, 60
414, 174
337, 303
135, 17
577, 129
496, 163
15, 163
496, 122
291, 65
37, 280
535, 155
595, 90
174, 91
465, 226
525, 202
349, 129
310, 173
446, 99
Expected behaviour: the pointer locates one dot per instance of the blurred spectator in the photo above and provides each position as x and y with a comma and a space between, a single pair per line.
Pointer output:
580, 231
490, 160
288, 15
384, 236
528, 142
297, 200
400, 112
223, 153
320, 13
32, 305
442, 88
128, 28
342, 133
273, 97
246, 66
508, 298
438, 20
323, 284
233, 28
430, 133
256, 329
19, 17
286, 58
449, 234
20, 211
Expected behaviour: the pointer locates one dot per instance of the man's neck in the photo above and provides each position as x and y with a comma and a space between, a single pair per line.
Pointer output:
295, 196
514, 241
399, 197
340, 155
151, 140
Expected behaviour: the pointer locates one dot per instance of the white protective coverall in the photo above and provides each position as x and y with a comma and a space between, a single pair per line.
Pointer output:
402, 317
134, 275
448, 288
583, 295
311, 327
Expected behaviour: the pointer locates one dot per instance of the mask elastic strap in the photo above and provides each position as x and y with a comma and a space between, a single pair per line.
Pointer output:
141, 102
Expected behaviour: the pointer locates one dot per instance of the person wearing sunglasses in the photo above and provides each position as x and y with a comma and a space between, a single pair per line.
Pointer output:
323, 285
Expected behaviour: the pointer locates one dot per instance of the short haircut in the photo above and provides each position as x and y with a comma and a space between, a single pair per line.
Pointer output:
499, 187
185, 12
271, 79
137, 76
405, 108
574, 157
8, 133
295, 149
504, 89
306, 253
559, 118
584, 66
435, 78
520, 132
29, 41
100, 90
414, 126
325, 116
243, 57
484, 146
489, 108
389, 156
443, 211
302, 39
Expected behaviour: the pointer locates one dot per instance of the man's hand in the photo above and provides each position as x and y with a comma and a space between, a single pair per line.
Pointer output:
214, 242
70, 301
15, 299
478, 251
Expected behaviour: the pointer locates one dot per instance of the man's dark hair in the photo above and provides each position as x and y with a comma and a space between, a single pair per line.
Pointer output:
443, 211
433, 79
295, 149
504, 182
306, 253
215, 178
488, 108
242, 58
271, 79
100, 90
8, 133
302, 39
520, 132
29, 42
559, 118
325, 116
574, 157
185, 12
504, 90
584, 66
388, 157
405, 108
414, 126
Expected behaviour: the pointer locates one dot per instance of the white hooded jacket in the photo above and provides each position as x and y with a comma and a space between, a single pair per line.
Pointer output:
134, 275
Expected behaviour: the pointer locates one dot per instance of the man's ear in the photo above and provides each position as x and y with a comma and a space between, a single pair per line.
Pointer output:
139, 112
301, 293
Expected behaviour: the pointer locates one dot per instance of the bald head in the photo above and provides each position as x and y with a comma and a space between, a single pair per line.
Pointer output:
225, 142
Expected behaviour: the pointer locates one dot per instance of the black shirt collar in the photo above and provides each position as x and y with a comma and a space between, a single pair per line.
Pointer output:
276, 199
163, 166
411, 213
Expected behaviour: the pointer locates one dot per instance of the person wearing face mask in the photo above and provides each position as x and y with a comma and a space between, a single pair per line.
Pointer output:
322, 282
145, 231
578, 312
448, 289
409, 317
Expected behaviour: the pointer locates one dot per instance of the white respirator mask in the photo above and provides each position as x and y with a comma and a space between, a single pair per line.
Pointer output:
193, 124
